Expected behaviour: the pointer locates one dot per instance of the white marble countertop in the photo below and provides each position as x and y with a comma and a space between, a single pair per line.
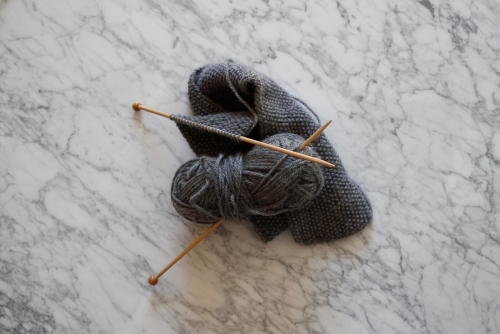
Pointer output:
413, 88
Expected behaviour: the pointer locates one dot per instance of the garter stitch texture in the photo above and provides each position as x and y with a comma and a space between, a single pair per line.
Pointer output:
239, 100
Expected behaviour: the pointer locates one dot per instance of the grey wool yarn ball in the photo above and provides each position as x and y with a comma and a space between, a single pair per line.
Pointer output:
259, 183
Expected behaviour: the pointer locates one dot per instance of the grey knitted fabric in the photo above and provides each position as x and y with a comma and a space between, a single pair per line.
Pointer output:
242, 101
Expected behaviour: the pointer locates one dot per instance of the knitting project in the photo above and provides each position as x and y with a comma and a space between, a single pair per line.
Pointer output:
239, 100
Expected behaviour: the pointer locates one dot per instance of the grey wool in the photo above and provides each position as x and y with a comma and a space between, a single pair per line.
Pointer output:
259, 183
239, 100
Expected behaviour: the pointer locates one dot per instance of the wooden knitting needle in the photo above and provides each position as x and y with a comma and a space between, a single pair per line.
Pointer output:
138, 106
314, 135
154, 279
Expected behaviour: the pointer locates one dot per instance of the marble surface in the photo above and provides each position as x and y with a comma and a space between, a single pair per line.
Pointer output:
413, 88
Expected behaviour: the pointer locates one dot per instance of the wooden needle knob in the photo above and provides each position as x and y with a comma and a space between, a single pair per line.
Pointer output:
135, 106
152, 280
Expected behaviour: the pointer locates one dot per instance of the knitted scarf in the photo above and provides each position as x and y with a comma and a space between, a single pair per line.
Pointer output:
240, 100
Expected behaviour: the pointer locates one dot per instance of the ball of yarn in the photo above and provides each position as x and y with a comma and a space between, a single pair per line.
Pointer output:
261, 182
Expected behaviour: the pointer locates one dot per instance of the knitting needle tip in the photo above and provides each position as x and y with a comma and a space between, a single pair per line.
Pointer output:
314, 135
136, 105
152, 280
